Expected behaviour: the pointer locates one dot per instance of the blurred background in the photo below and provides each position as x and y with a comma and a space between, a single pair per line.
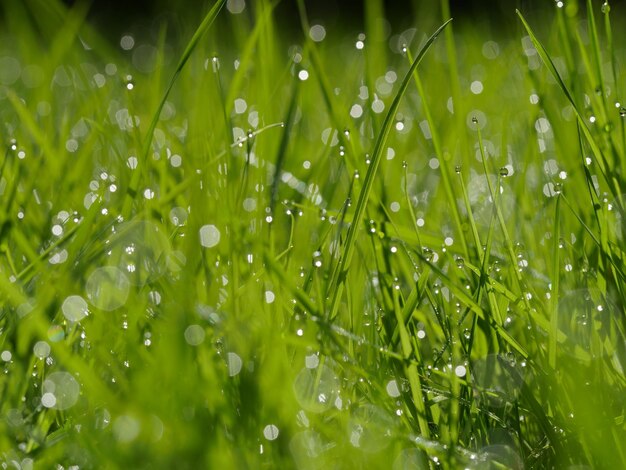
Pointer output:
119, 16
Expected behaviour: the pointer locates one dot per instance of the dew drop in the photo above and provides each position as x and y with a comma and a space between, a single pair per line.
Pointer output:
316, 389
41, 349
234, 364
392, 389
194, 335
107, 288
370, 428
209, 236
270, 432
61, 391
75, 308
130, 84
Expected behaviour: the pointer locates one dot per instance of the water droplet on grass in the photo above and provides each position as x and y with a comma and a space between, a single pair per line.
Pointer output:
308, 449
41, 349
356, 111
194, 335
270, 432
75, 308
107, 288
316, 389
140, 249
209, 236
178, 216
317, 32
392, 389
126, 428
236, 6
130, 84
317, 259
61, 391
56, 333
460, 371
234, 364
370, 428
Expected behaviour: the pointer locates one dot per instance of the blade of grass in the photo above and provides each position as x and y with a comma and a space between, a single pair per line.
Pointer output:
191, 45
368, 182
604, 164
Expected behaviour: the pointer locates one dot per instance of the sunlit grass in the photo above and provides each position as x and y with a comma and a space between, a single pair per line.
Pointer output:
338, 248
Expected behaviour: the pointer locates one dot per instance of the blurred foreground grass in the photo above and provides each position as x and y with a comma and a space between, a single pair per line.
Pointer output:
290, 256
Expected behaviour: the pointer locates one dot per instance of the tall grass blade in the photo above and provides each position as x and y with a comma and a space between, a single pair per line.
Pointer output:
372, 170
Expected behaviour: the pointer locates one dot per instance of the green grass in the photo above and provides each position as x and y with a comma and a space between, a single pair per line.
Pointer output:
234, 246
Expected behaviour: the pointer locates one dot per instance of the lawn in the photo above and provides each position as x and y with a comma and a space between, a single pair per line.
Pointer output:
235, 238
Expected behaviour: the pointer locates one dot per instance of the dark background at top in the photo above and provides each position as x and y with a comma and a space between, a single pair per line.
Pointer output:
114, 17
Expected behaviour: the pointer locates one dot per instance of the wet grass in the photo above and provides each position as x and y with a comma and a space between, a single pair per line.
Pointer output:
229, 246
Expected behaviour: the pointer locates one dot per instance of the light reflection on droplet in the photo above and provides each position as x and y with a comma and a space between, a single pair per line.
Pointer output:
126, 428
194, 335
140, 249
312, 361
178, 216
56, 333
392, 389
270, 432
308, 449
127, 42
370, 428
316, 389
58, 257
75, 308
107, 288
41, 349
317, 32
235, 6
209, 236
61, 391
234, 363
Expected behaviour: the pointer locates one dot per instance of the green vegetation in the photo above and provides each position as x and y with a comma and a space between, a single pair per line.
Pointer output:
243, 247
